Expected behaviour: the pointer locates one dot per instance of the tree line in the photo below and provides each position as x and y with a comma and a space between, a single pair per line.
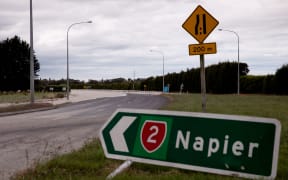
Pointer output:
114, 84
268, 84
221, 78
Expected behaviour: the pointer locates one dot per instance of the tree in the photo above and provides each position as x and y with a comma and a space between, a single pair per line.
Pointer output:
281, 80
252, 84
222, 77
15, 64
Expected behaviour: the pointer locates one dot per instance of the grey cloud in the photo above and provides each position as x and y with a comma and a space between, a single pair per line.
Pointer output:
123, 32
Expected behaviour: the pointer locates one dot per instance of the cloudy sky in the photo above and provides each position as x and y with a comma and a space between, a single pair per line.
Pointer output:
123, 32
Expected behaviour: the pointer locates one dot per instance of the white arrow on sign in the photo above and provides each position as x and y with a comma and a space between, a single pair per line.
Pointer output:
117, 133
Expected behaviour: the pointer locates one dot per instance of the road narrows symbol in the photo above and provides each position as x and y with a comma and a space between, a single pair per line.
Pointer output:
200, 24
198, 29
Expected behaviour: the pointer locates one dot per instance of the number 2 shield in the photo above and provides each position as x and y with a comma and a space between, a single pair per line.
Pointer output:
153, 137
153, 134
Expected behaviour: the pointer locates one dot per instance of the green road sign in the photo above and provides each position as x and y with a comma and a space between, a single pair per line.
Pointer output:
222, 144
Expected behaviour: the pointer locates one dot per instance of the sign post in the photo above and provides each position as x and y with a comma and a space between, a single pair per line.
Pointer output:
199, 25
203, 142
203, 82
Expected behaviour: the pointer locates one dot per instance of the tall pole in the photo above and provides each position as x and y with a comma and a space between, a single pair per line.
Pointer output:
67, 86
32, 96
238, 66
133, 80
163, 79
238, 87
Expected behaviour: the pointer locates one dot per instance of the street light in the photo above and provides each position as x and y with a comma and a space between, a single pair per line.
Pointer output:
238, 73
67, 88
32, 96
157, 51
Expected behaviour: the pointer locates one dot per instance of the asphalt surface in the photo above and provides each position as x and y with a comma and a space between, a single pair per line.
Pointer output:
26, 139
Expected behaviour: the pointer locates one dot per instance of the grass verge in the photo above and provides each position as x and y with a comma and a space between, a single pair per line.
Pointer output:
25, 97
90, 163
23, 107
18, 101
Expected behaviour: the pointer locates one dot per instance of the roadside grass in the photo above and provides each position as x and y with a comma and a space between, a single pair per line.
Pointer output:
13, 97
90, 162
251, 105
18, 101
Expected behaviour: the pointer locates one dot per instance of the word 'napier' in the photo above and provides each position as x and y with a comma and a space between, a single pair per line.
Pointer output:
214, 145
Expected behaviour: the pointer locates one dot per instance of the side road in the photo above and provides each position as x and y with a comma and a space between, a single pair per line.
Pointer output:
29, 138
76, 95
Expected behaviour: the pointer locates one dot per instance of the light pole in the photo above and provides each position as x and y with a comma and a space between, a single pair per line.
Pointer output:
238, 73
67, 88
32, 96
163, 66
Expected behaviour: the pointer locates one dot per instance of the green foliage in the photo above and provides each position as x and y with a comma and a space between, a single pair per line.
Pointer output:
15, 64
116, 84
269, 84
252, 84
281, 80
220, 78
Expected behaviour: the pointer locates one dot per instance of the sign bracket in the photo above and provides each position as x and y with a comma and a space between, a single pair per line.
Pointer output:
120, 169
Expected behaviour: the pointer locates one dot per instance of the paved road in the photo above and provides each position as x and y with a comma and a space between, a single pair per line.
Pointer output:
28, 138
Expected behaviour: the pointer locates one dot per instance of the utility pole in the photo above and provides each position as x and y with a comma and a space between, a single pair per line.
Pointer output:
32, 94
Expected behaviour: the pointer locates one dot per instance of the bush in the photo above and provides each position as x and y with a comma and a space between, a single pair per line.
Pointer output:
252, 84
59, 95
55, 88
281, 80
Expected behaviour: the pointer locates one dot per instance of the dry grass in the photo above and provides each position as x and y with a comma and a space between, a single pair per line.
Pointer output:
20, 101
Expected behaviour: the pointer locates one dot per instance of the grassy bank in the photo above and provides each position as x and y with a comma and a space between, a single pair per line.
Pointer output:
20, 101
90, 163
12, 97
251, 105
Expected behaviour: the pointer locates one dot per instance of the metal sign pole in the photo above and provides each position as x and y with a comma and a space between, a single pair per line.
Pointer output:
32, 91
203, 83
200, 24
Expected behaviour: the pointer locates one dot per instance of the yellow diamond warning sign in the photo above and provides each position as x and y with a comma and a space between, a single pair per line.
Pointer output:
200, 24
